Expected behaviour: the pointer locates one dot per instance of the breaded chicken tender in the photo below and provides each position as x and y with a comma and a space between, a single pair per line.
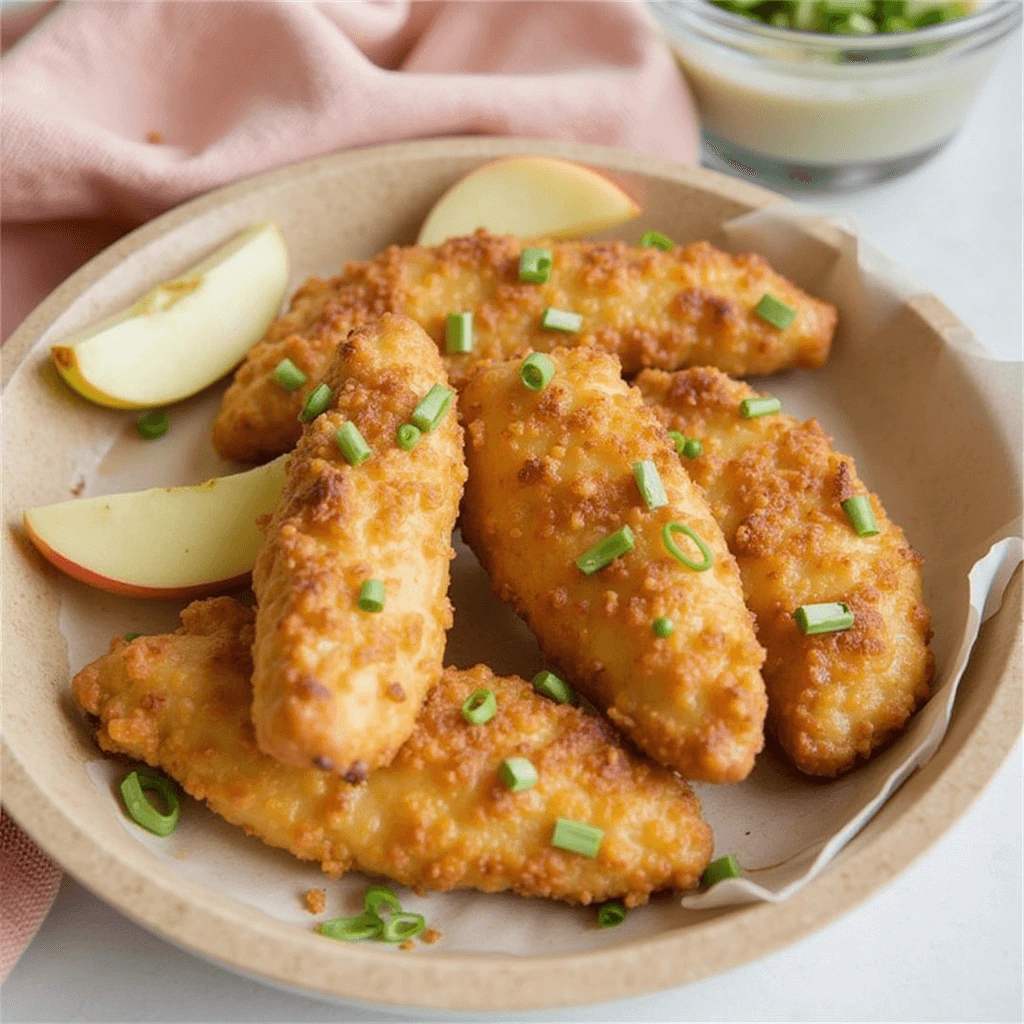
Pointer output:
438, 817
775, 486
551, 474
335, 685
693, 305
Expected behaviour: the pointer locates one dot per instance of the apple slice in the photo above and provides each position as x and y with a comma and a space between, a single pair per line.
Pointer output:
165, 543
184, 334
530, 196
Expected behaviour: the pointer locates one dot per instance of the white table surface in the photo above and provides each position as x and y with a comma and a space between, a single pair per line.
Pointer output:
943, 942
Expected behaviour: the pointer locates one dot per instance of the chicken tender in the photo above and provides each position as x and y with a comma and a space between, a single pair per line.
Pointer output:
551, 474
438, 817
690, 306
335, 685
775, 486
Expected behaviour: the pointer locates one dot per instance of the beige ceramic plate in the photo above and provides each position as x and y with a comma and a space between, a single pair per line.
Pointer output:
344, 207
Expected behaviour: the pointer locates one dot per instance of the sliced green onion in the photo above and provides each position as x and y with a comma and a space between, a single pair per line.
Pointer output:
691, 447
577, 837
724, 867
663, 627
129, 637
479, 707
378, 896
774, 312
861, 516
153, 425
549, 685
401, 927
352, 444
432, 408
855, 24
316, 403
407, 437
896, 24
353, 929
561, 320
850, 17
649, 484
656, 240
371, 596
606, 551
831, 617
670, 545
751, 408
141, 811
535, 265
288, 375
611, 914
536, 371
458, 333
517, 773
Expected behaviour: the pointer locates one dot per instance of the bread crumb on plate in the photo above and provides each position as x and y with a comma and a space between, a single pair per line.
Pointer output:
315, 900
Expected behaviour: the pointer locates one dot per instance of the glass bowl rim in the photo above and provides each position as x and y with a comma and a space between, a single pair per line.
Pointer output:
989, 15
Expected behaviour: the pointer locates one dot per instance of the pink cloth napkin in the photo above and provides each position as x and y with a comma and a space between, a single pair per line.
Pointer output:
114, 112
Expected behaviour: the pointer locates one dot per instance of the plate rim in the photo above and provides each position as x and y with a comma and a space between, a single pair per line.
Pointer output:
243, 939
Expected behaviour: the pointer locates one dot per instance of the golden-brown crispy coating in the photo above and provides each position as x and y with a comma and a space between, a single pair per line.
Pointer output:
336, 686
775, 486
550, 475
438, 817
693, 305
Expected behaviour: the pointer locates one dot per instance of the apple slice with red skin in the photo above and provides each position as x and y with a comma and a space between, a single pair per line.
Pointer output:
165, 543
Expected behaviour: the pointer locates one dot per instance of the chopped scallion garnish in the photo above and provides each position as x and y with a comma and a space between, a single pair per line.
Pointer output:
153, 425
378, 896
316, 403
830, 617
432, 408
371, 596
561, 320
861, 516
401, 927
774, 312
724, 867
141, 811
610, 914
606, 551
407, 437
678, 441
649, 484
536, 371
751, 408
479, 707
656, 240
288, 375
353, 929
352, 444
458, 334
549, 685
535, 265
673, 549
577, 837
129, 637
517, 773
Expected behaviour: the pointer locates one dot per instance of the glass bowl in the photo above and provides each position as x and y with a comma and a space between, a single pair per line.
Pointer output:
808, 111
